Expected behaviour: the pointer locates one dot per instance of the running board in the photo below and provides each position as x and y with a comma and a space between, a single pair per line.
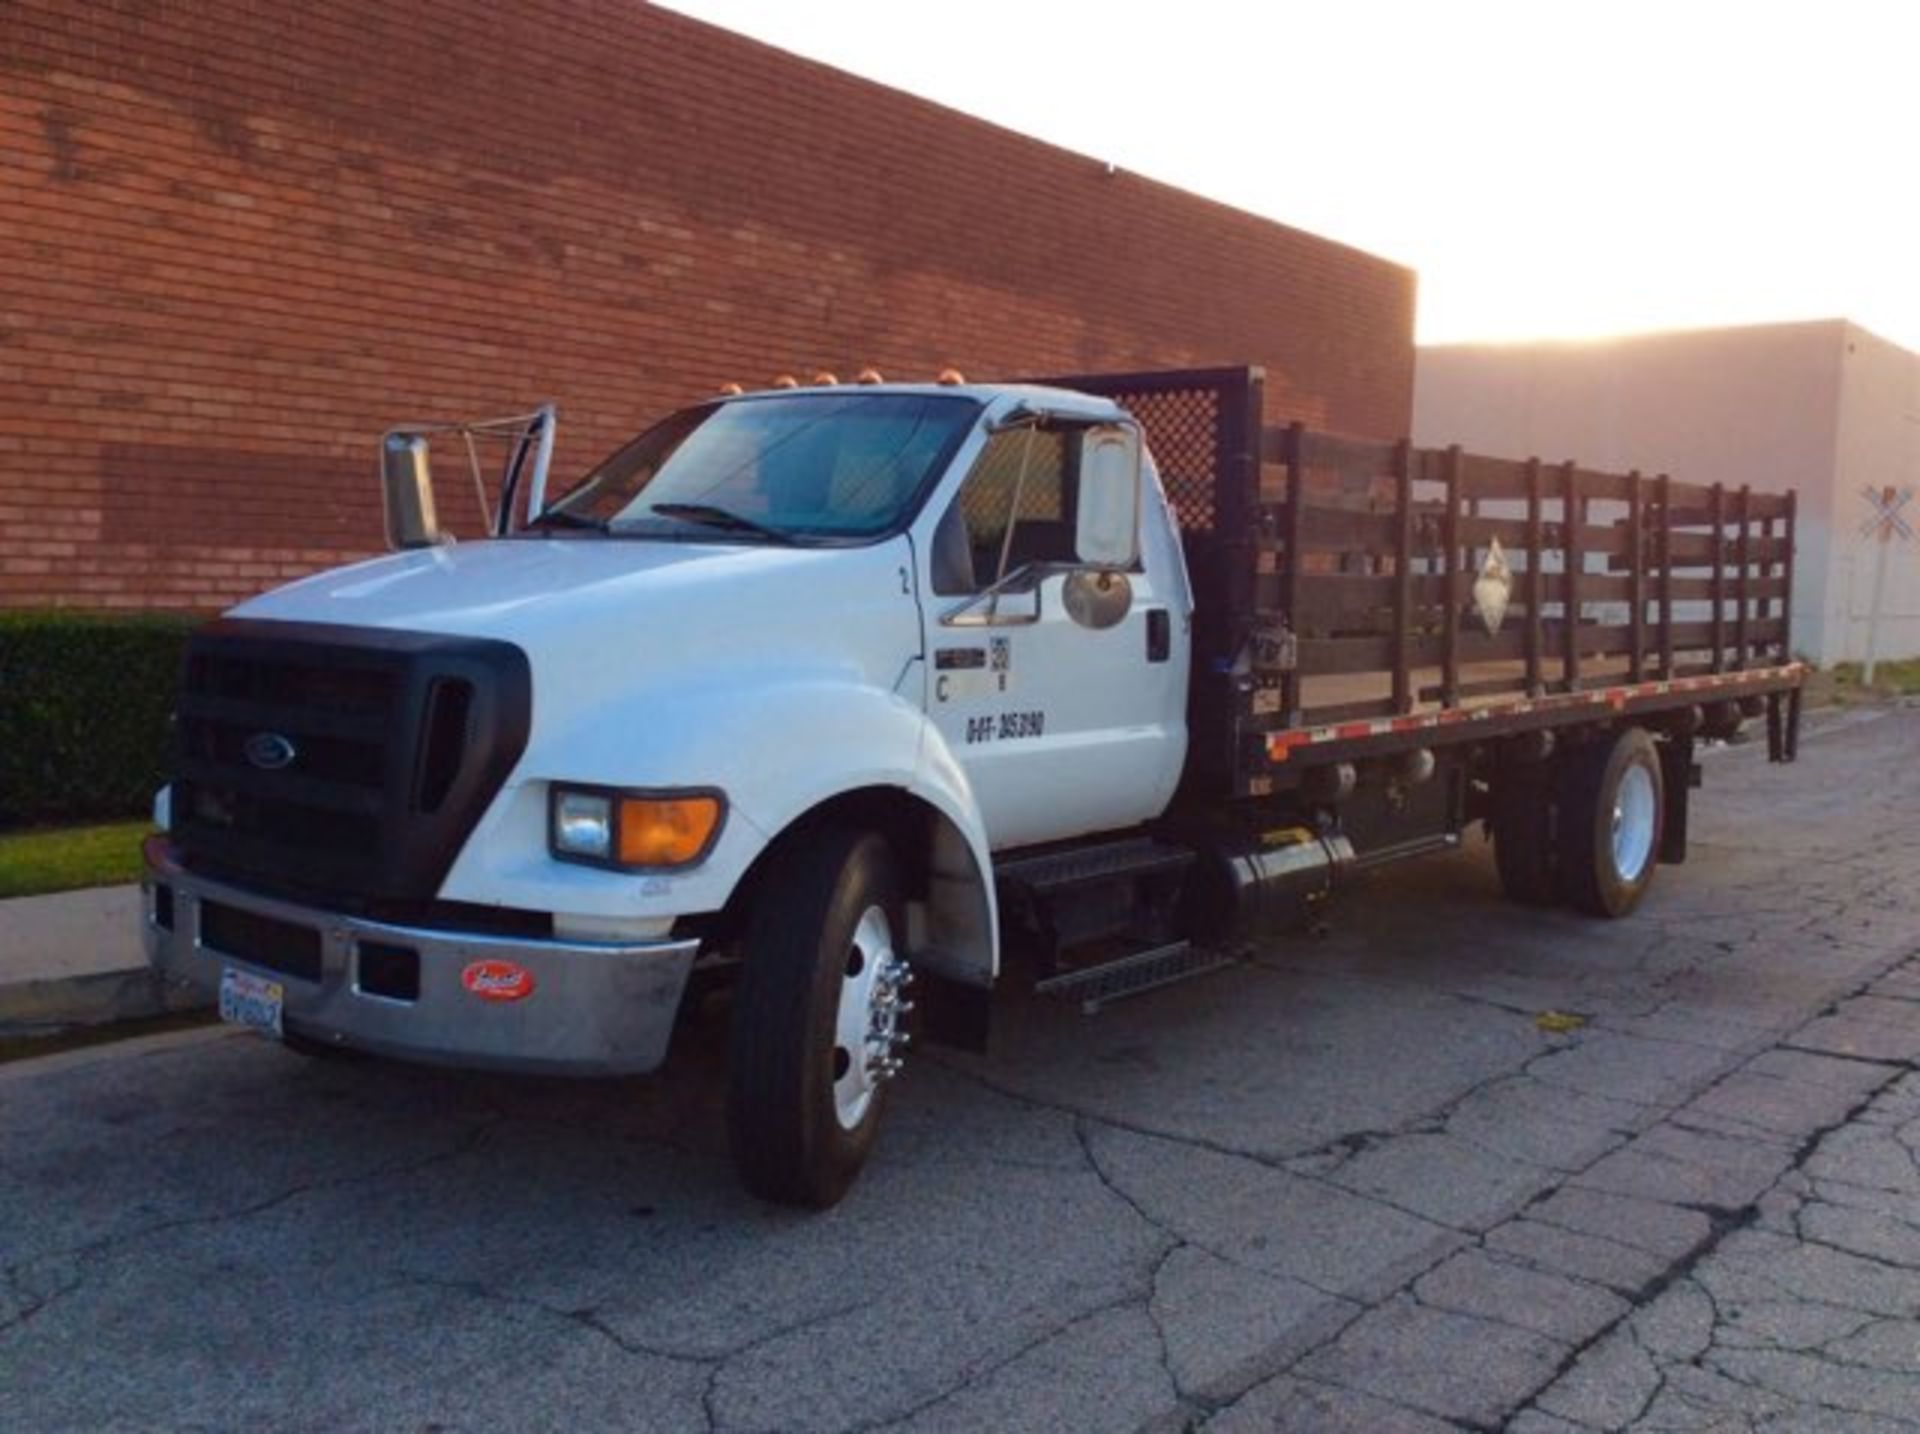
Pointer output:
1098, 986
1127, 860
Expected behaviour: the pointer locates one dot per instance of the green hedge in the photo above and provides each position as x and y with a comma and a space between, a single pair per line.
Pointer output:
85, 706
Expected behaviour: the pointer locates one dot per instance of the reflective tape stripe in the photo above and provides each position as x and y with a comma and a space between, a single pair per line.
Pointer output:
1279, 744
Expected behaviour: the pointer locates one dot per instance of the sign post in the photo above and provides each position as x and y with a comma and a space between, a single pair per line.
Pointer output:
1882, 528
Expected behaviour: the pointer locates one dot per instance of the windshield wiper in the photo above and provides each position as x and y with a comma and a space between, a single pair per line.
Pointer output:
713, 516
560, 517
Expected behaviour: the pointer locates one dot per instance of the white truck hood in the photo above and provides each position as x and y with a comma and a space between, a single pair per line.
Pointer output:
608, 622
510, 588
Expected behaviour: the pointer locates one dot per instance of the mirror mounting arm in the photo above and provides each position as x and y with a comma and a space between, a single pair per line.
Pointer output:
1028, 576
536, 437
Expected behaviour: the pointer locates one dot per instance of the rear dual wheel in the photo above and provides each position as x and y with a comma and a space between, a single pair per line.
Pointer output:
1612, 817
1587, 834
1523, 836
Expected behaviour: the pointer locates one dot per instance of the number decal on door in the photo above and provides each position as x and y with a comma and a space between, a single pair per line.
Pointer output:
1006, 727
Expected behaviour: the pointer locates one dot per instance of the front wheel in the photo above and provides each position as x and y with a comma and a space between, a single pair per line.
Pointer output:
817, 1017
1612, 813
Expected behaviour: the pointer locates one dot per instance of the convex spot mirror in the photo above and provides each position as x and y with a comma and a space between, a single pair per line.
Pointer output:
406, 479
1107, 524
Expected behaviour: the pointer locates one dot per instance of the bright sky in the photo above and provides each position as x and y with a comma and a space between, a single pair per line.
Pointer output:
1554, 168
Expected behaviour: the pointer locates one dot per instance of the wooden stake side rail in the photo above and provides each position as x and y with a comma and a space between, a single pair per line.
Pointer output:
1371, 554
1341, 581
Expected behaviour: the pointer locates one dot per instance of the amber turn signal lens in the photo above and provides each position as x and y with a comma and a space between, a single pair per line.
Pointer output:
666, 831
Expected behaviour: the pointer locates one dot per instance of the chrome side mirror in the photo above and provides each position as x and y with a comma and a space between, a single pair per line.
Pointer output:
1107, 523
406, 480
406, 475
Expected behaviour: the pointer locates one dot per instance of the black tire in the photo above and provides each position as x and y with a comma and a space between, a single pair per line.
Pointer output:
1591, 794
1524, 850
789, 1143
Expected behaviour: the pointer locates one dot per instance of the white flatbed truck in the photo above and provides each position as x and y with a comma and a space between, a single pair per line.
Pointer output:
853, 698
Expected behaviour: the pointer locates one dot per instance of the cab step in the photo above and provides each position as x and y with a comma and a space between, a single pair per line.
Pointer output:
1139, 971
1048, 873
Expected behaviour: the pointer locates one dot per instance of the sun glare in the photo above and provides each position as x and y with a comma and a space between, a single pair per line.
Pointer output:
1562, 170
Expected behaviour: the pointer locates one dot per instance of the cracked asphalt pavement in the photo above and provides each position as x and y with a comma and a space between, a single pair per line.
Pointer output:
1353, 1184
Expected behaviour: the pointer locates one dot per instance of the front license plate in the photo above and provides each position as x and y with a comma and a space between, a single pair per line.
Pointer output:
250, 1000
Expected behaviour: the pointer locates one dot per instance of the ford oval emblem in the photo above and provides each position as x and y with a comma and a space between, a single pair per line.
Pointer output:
269, 751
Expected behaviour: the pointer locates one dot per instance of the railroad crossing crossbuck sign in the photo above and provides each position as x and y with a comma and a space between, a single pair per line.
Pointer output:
1882, 528
1886, 523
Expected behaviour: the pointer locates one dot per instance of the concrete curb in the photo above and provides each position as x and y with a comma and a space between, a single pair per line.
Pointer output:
75, 959
29, 1008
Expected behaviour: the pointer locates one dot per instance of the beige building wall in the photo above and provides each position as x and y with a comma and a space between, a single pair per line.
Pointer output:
1879, 447
1823, 407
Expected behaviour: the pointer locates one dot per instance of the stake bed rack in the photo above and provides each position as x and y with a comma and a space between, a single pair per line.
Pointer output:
1335, 583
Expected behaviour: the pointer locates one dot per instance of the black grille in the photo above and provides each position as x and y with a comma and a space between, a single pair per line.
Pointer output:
338, 763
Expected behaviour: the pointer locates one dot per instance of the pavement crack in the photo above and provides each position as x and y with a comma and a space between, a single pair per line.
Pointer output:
1178, 1239
1722, 1223
1412, 1293
977, 1373
469, 1141
1080, 1113
1458, 1421
1187, 1399
717, 1363
1878, 1261
32, 1303
1281, 1163
586, 1317
1654, 1363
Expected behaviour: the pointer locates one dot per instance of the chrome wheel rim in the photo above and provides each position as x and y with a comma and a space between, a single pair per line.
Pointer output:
1633, 822
867, 1028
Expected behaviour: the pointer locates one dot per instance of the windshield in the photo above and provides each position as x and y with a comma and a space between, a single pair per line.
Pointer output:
787, 468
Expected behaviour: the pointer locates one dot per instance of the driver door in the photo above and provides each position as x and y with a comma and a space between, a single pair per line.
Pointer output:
1062, 727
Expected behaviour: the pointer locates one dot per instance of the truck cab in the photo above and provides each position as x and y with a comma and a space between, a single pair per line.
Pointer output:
764, 692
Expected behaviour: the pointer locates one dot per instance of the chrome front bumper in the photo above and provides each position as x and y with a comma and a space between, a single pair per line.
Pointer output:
593, 1008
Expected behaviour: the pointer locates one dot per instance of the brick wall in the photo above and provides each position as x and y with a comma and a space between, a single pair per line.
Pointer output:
238, 238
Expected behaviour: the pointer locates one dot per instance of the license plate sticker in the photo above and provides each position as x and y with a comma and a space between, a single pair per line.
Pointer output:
251, 1001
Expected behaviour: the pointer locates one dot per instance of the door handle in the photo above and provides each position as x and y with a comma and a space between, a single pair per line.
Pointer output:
1159, 634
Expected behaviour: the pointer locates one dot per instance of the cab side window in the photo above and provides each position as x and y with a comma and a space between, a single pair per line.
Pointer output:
995, 497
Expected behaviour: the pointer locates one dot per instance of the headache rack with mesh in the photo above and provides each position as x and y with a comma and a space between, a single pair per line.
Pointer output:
1350, 597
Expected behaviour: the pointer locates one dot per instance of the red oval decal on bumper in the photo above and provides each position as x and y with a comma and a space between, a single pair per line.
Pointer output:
498, 981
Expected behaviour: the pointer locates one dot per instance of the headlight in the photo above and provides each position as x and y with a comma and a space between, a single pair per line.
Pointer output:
634, 830
583, 824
